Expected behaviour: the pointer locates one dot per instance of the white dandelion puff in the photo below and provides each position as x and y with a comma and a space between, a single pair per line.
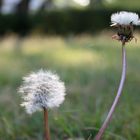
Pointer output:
125, 18
42, 89
124, 21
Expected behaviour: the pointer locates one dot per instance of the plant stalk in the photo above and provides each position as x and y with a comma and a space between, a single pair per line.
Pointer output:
46, 124
116, 100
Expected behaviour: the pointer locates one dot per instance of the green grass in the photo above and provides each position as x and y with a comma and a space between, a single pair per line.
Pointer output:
91, 69
122, 4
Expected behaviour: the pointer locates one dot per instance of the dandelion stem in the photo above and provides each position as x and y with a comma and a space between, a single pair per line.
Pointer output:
46, 124
109, 116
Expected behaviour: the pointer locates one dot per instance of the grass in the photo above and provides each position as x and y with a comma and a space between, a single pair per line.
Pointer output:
124, 5
90, 67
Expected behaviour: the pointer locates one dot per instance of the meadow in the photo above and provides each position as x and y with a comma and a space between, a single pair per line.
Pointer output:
90, 66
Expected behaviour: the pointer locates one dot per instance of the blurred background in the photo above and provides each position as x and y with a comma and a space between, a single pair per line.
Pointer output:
72, 38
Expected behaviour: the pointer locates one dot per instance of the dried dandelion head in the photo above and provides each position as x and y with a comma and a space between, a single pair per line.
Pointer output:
42, 89
125, 22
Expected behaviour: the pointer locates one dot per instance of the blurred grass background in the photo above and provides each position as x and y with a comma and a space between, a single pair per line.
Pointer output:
90, 66
72, 38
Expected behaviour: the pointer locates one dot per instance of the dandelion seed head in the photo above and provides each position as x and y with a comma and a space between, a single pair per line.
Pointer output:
125, 22
42, 89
